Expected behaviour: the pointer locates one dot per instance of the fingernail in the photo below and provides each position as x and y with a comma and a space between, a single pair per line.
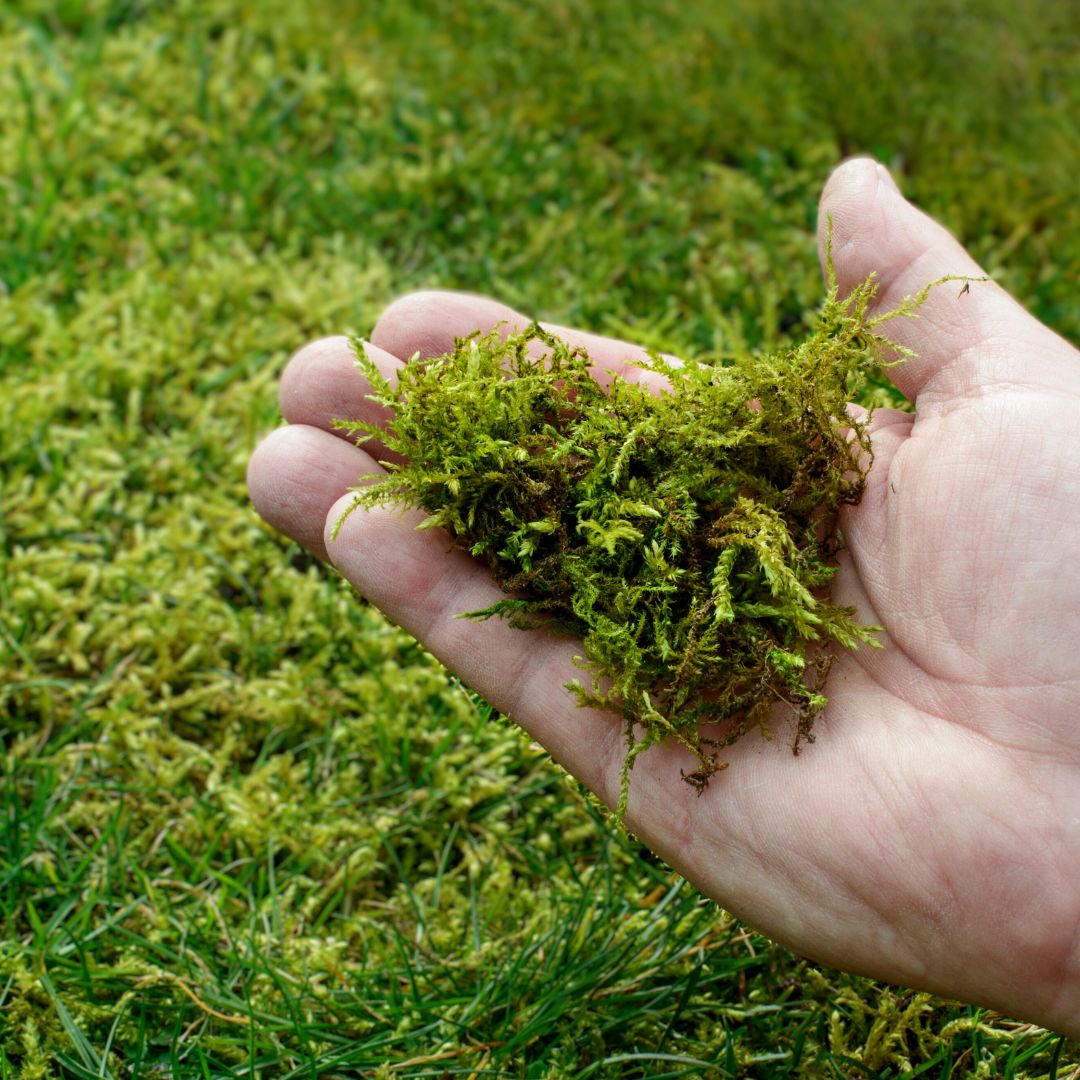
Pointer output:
886, 178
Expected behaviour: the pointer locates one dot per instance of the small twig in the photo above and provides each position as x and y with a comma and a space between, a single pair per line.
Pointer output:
423, 1059
181, 983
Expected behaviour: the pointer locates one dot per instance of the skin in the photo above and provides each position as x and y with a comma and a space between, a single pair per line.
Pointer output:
931, 835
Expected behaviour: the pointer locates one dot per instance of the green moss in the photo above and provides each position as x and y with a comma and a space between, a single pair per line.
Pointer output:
687, 536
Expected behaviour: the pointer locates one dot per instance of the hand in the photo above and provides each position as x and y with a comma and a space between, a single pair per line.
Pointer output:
931, 835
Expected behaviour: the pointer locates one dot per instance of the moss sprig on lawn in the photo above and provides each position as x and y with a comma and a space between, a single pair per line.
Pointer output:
687, 536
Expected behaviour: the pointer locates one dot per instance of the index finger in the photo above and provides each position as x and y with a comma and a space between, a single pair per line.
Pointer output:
322, 384
428, 322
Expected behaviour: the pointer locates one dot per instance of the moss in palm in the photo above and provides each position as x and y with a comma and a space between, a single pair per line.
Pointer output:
687, 536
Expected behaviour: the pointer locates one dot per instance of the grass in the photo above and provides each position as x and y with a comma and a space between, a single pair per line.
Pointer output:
250, 828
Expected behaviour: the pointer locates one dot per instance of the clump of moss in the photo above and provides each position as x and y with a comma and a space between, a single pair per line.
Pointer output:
687, 537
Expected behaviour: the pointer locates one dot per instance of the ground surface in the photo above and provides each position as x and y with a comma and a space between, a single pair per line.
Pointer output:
249, 828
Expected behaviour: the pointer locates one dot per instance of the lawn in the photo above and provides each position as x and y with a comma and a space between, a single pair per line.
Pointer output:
248, 826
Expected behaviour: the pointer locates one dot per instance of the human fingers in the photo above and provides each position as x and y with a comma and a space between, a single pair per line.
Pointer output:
963, 338
321, 384
299, 479
428, 322
295, 473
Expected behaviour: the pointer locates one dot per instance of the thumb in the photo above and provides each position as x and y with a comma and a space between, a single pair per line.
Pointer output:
961, 338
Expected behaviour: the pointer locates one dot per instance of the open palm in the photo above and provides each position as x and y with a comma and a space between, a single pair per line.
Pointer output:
931, 834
